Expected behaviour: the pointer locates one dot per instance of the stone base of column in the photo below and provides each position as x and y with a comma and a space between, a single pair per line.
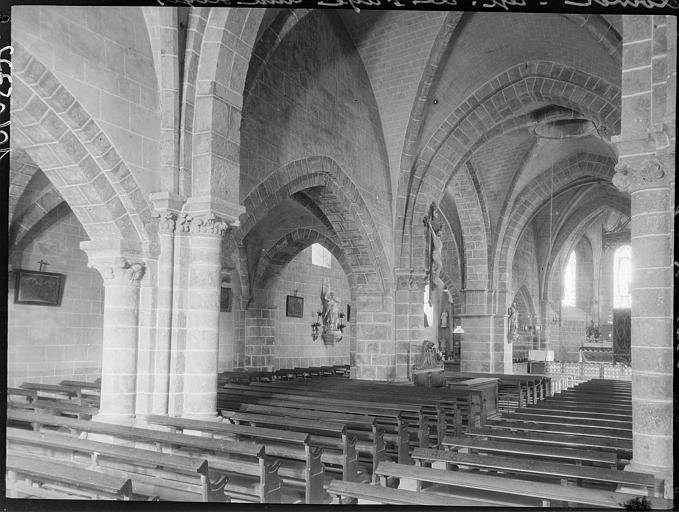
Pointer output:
661, 473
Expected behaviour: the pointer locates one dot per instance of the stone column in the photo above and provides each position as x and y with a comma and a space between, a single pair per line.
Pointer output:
408, 320
652, 349
484, 346
202, 316
646, 150
122, 276
167, 208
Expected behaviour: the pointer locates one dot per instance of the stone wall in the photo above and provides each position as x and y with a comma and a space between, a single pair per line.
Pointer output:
293, 345
47, 343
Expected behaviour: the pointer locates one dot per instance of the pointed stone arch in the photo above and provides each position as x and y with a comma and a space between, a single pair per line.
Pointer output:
75, 154
576, 169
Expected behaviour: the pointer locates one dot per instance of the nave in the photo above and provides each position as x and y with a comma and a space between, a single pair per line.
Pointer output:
225, 215
397, 444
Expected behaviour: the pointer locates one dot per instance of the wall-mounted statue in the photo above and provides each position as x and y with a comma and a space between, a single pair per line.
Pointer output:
330, 309
512, 323
434, 229
430, 356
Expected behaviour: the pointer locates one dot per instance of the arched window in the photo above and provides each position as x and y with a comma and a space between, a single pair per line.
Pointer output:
320, 256
622, 277
569, 281
428, 309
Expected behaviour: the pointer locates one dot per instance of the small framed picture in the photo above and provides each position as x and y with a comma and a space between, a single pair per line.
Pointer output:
294, 306
38, 288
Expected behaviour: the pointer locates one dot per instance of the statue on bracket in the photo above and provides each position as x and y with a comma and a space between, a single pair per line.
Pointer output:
512, 323
329, 315
434, 229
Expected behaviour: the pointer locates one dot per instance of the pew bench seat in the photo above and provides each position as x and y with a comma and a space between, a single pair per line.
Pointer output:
566, 473
574, 456
249, 458
388, 496
62, 478
546, 493
170, 477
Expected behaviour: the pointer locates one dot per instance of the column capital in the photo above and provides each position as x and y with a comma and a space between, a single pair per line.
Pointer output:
114, 263
207, 224
652, 173
166, 209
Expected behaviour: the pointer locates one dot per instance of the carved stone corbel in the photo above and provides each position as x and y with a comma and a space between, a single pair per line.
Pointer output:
630, 179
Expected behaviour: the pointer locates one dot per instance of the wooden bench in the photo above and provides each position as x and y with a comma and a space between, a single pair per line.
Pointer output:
231, 458
568, 420
388, 496
417, 423
577, 413
370, 435
28, 394
538, 426
573, 456
170, 477
233, 396
566, 473
55, 480
621, 447
278, 444
53, 389
548, 494
339, 445
583, 407
64, 407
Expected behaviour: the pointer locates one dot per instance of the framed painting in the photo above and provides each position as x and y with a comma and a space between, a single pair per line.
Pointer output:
294, 306
38, 288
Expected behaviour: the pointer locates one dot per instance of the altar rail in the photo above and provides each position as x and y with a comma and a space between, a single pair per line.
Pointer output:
587, 371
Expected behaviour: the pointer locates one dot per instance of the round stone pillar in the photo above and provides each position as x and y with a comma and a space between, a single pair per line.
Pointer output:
650, 187
120, 335
202, 317
161, 374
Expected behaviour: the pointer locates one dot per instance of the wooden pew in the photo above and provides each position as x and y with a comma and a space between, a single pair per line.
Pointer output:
576, 413
566, 473
540, 451
569, 420
28, 394
370, 435
582, 407
548, 494
56, 480
233, 396
170, 477
388, 496
53, 389
224, 456
561, 428
622, 447
65, 407
278, 443
339, 445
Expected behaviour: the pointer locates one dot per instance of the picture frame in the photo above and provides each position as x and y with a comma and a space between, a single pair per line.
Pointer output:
294, 306
38, 288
